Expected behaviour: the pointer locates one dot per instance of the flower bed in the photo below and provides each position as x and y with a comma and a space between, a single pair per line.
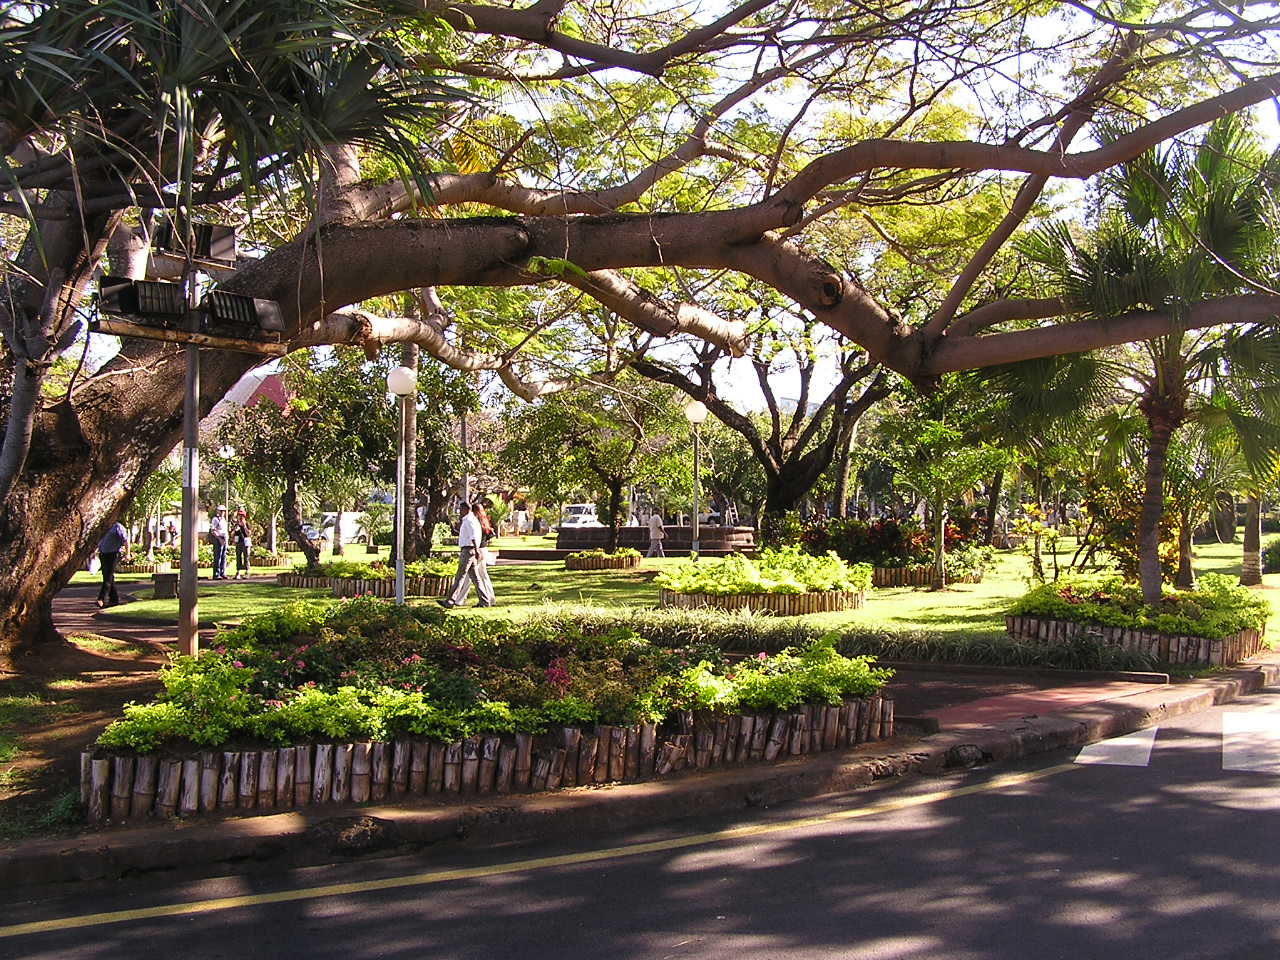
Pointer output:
358, 587
783, 604
623, 559
352, 578
1164, 647
918, 576
1220, 622
786, 581
385, 689
130, 785
161, 566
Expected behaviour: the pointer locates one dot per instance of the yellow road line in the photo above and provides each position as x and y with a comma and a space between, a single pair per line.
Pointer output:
524, 866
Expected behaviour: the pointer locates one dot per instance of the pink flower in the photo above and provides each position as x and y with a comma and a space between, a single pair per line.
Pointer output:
299, 663
762, 656
237, 663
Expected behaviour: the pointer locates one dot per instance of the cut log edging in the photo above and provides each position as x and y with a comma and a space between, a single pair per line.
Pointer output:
352, 587
601, 563
917, 576
122, 786
160, 566
1166, 648
783, 604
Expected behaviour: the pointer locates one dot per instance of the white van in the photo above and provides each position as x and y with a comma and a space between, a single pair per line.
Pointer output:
580, 515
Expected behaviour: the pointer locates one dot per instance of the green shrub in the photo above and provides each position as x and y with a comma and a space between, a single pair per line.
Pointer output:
785, 570
369, 669
1218, 608
1271, 556
376, 570
601, 553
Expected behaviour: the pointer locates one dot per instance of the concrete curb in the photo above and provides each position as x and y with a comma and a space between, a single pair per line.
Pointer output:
317, 836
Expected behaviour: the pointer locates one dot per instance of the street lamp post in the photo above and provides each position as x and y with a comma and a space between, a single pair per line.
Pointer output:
402, 382
696, 414
226, 453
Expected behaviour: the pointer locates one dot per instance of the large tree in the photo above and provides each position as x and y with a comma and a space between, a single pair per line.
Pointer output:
668, 147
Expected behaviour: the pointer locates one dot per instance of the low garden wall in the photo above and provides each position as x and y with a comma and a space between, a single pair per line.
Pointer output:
783, 604
350, 587
628, 562
126, 785
921, 576
1167, 648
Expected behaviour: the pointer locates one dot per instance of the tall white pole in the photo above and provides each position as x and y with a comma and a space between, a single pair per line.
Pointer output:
400, 504
697, 465
188, 615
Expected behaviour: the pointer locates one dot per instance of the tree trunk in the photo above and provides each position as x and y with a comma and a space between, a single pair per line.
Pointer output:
993, 505
1164, 415
615, 514
85, 464
293, 522
1224, 517
337, 532
1251, 562
1186, 578
414, 545
271, 531
939, 545
842, 476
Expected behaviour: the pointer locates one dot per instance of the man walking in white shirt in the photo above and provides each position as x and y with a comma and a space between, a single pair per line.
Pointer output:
470, 564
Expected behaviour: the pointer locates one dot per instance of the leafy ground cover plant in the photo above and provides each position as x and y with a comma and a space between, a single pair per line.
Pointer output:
377, 569
1218, 608
365, 668
785, 570
601, 553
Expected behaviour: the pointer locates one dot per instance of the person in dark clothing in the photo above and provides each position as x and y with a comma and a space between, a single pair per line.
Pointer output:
243, 540
113, 543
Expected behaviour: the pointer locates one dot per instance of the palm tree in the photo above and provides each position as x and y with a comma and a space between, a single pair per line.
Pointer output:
1181, 228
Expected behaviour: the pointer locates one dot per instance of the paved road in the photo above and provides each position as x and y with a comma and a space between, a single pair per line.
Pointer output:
1159, 845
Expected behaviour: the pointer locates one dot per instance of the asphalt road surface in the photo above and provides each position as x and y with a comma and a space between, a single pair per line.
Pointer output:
1163, 844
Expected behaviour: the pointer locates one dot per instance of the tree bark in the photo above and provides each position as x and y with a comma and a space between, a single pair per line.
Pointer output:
414, 547
1165, 412
1186, 576
993, 505
293, 522
337, 532
615, 513
939, 545
1251, 561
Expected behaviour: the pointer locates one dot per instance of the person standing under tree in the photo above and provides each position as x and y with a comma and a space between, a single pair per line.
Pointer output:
113, 543
218, 540
243, 540
656, 535
470, 563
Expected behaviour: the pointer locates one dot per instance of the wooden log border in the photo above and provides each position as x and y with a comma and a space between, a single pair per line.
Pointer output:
347, 587
783, 604
122, 786
916, 576
602, 563
160, 566
1167, 648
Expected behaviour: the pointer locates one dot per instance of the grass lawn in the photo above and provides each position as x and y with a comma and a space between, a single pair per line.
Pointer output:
963, 609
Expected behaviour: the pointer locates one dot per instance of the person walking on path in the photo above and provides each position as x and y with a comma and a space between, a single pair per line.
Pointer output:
656, 535
243, 540
487, 534
218, 540
470, 563
113, 543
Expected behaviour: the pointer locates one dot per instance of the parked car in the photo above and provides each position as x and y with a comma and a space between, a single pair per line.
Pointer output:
580, 515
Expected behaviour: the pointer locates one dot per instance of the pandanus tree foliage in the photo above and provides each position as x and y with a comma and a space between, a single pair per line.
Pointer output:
1179, 227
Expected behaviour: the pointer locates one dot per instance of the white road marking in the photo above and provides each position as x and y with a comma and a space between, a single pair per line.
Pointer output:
1131, 750
1251, 741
